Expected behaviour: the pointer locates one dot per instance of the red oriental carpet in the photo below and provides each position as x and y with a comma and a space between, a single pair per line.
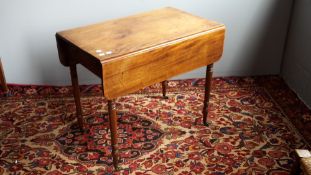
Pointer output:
255, 124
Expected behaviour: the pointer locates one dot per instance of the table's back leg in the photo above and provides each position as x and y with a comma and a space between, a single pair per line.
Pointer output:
76, 93
164, 86
208, 83
113, 121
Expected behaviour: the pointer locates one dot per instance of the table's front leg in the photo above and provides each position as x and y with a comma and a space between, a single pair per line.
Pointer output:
76, 93
113, 121
208, 83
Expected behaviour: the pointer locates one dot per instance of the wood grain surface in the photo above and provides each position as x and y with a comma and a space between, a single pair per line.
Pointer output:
134, 33
137, 51
122, 76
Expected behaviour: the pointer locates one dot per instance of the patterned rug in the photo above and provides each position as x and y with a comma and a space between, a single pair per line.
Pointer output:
251, 129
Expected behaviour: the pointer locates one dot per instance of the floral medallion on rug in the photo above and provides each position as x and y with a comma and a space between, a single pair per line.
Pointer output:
255, 123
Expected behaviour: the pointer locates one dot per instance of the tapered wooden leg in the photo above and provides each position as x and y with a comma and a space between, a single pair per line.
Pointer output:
114, 132
208, 82
76, 93
164, 85
2, 79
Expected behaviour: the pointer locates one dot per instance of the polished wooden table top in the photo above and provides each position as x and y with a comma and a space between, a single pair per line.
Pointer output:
164, 43
138, 33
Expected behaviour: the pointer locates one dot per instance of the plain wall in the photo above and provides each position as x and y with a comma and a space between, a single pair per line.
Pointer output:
296, 69
254, 42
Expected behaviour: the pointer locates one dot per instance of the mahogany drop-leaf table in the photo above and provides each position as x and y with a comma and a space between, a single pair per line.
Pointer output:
132, 53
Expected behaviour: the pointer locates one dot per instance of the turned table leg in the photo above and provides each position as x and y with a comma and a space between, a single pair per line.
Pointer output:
2, 79
114, 132
164, 85
76, 93
208, 79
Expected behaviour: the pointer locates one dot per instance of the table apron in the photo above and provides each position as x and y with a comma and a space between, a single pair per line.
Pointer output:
70, 54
